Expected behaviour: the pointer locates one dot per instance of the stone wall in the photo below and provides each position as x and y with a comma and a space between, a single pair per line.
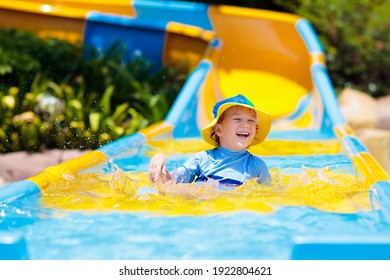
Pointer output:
370, 119
19, 166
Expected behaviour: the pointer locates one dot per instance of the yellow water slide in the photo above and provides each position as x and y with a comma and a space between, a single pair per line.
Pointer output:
275, 59
253, 58
64, 19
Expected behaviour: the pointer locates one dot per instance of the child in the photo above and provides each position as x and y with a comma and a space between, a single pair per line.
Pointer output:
237, 125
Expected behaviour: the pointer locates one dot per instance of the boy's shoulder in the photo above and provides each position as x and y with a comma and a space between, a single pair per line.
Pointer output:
213, 152
256, 157
202, 154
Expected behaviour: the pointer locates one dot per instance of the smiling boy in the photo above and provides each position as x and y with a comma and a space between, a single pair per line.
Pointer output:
237, 125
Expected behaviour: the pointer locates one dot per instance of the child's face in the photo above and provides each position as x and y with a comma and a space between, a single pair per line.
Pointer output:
237, 129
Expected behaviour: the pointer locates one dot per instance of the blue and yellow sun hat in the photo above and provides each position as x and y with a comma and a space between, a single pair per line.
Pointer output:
264, 120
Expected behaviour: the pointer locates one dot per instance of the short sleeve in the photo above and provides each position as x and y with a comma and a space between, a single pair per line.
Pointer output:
188, 171
264, 176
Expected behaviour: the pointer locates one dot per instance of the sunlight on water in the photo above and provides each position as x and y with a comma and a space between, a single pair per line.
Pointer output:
112, 211
114, 189
323, 189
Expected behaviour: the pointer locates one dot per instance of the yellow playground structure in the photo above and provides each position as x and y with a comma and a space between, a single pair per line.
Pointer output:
273, 58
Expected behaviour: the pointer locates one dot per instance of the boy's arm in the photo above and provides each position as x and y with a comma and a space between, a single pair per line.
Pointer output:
265, 179
264, 176
158, 169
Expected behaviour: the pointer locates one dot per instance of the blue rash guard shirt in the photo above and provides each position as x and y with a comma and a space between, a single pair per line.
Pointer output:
228, 167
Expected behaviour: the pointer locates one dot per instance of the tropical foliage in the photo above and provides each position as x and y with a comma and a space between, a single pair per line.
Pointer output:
50, 97
356, 38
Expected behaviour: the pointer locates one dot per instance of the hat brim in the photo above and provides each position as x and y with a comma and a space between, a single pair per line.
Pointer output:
264, 121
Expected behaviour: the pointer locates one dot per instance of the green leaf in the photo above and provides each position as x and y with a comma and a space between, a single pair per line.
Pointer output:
105, 103
120, 113
94, 121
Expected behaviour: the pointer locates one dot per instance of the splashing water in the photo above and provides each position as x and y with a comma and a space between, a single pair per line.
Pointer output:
323, 188
116, 213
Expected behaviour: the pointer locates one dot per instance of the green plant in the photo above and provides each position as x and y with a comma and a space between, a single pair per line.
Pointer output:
83, 103
23, 55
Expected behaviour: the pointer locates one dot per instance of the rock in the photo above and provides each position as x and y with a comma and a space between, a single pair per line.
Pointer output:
359, 109
18, 166
384, 112
3, 182
377, 141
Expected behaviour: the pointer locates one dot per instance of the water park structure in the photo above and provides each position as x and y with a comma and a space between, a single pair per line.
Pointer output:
331, 200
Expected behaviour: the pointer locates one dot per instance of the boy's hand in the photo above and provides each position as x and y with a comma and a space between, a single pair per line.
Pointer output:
158, 169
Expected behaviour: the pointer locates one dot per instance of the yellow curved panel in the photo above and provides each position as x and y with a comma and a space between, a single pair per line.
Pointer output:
263, 88
70, 8
185, 44
272, 71
63, 19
